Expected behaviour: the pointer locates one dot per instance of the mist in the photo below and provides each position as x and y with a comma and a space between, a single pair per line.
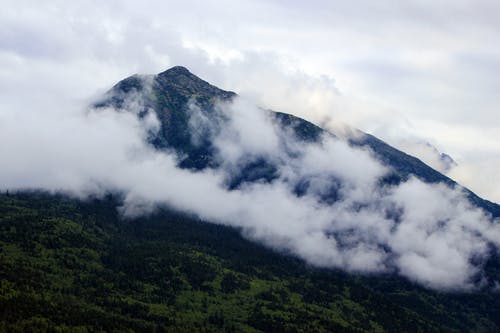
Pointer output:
429, 234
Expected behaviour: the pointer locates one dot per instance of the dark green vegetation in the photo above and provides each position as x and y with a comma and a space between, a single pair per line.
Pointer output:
73, 266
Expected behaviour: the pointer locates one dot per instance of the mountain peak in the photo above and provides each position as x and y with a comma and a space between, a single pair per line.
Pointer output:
181, 80
176, 70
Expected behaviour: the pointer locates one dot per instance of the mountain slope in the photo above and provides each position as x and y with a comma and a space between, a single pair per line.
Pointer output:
170, 92
68, 265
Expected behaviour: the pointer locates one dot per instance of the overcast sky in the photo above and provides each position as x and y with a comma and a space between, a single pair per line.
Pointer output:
410, 73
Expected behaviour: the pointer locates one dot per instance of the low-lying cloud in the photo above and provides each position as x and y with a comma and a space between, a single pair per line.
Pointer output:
325, 203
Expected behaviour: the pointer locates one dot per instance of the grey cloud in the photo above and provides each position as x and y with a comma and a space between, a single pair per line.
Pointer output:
427, 153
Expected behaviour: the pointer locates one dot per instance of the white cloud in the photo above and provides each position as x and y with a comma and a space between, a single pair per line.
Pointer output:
403, 67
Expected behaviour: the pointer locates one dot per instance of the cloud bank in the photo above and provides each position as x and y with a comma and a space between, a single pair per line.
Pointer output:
405, 73
324, 204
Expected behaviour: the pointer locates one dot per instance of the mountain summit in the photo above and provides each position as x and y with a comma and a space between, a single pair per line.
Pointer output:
181, 80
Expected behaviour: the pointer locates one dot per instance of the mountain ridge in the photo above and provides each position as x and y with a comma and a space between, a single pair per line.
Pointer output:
175, 87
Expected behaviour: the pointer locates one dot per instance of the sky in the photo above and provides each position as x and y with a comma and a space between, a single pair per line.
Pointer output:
420, 75
413, 73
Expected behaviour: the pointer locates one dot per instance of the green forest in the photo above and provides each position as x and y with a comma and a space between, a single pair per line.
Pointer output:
68, 265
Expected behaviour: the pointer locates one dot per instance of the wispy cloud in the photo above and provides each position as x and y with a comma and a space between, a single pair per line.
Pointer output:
427, 233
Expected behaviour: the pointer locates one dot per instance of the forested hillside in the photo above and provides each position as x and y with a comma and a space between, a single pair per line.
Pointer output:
73, 266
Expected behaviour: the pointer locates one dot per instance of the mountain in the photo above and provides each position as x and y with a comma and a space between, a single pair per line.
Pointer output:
70, 265
170, 92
